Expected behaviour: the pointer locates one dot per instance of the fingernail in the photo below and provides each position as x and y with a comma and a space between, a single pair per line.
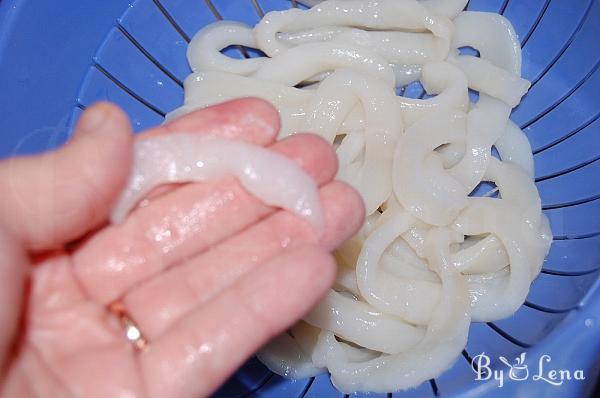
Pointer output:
93, 118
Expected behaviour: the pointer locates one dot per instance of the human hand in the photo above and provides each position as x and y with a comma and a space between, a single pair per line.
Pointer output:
206, 271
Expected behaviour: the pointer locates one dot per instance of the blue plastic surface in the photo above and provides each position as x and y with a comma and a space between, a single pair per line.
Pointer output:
58, 58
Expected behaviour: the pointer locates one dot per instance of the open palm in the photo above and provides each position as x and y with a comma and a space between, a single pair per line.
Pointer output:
207, 272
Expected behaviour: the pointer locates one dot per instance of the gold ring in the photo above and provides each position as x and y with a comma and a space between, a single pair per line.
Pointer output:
132, 332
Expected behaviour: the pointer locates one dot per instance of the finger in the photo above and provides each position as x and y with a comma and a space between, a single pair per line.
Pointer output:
198, 353
184, 223
248, 119
13, 268
50, 199
158, 303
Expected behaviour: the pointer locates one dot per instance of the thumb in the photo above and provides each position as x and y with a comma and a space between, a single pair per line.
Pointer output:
56, 197
13, 268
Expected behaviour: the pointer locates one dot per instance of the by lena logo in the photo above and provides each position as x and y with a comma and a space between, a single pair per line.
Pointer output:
520, 371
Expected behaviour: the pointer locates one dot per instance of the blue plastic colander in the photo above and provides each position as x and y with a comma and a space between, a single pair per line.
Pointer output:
58, 57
